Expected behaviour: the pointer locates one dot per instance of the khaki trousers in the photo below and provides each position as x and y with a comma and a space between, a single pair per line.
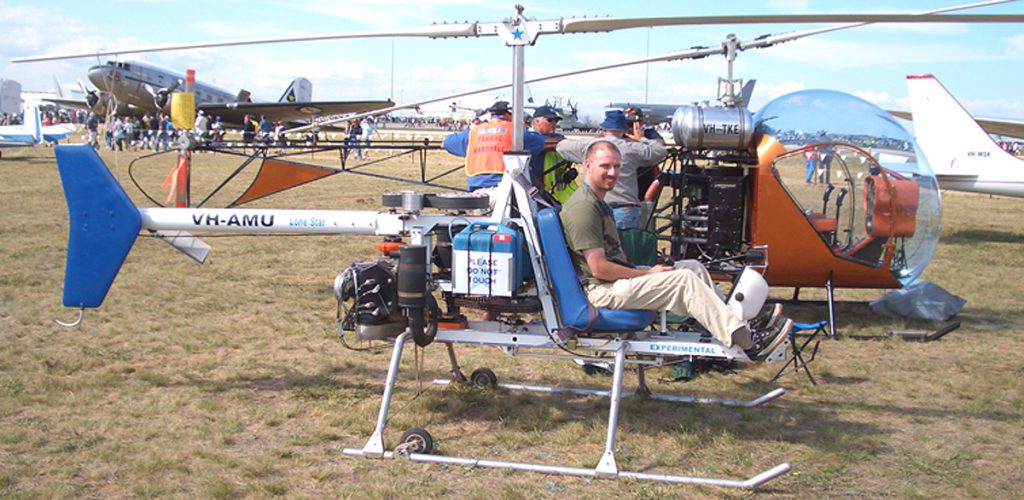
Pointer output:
680, 291
702, 273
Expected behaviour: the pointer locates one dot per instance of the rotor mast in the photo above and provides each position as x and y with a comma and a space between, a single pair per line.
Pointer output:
518, 78
726, 87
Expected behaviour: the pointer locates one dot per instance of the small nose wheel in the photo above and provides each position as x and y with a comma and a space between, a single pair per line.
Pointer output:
416, 440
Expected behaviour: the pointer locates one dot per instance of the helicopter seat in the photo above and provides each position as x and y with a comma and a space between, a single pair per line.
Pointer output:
576, 313
823, 223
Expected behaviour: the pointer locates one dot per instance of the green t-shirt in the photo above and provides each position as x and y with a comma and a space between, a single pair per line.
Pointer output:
588, 223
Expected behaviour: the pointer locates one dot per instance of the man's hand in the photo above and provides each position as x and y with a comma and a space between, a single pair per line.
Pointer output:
659, 269
637, 134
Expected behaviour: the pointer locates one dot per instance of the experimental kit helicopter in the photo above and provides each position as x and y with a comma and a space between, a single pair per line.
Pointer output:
739, 182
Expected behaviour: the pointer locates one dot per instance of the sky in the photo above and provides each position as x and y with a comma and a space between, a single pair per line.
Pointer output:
982, 65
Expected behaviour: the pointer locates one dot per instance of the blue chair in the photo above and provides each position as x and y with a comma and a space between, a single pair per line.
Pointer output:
577, 313
810, 332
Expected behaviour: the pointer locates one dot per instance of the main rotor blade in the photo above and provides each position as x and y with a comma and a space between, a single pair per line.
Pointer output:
432, 31
575, 26
694, 53
927, 15
591, 25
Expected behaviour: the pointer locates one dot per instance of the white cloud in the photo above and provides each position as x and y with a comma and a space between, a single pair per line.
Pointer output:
879, 98
1013, 46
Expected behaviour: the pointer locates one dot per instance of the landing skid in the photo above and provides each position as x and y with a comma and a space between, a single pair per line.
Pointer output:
521, 339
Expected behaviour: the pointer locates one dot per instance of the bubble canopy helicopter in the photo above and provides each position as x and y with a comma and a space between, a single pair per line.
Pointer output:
891, 217
876, 217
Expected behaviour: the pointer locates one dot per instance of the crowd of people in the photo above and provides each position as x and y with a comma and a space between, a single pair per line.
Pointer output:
131, 133
49, 117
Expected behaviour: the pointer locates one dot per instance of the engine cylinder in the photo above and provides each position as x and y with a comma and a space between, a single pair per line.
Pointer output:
412, 286
713, 127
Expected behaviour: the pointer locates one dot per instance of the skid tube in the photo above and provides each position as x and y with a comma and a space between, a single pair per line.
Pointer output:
606, 468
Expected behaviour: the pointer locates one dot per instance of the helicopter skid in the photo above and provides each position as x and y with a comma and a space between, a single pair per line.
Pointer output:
518, 338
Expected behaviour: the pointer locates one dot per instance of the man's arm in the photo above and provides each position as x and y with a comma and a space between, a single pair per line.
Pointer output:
457, 143
536, 143
647, 152
606, 270
574, 150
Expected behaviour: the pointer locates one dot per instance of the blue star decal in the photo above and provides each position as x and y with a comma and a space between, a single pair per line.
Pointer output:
518, 34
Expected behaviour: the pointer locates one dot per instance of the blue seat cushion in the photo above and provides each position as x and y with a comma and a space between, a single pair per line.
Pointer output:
577, 312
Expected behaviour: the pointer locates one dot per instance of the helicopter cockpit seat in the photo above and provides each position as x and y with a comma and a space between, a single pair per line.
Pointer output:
890, 206
823, 223
576, 312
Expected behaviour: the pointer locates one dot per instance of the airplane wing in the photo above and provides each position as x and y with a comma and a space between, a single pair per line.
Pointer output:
287, 111
59, 132
997, 127
69, 103
654, 114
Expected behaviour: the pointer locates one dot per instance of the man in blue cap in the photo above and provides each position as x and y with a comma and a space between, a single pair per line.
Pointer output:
635, 151
484, 145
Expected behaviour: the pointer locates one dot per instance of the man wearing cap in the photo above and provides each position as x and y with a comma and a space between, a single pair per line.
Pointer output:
644, 175
635, 152
558, 181
484, 146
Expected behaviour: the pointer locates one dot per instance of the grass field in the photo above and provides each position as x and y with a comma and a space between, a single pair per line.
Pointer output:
228, 380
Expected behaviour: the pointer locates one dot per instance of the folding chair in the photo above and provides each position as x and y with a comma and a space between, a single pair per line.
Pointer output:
797, 359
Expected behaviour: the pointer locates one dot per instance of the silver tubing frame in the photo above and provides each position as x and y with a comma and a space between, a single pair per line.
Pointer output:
606, 468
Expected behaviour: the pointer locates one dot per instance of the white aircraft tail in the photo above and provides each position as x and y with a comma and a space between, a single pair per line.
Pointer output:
33, 124
300, 90
953, 142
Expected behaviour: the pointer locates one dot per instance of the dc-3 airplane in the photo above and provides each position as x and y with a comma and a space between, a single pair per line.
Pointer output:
962, 154
139, 87
32, 132
852, 201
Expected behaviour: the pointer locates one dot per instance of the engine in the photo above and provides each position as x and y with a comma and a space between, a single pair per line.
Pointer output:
97, 101
367, 294
162, 99
482, 265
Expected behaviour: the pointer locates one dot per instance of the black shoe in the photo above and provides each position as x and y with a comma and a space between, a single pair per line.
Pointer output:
768, 318
596, 369
767, 339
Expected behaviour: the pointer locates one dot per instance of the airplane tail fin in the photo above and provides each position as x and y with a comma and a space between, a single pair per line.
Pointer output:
300, 90
949, 137
57, 88
33, 124
104, 225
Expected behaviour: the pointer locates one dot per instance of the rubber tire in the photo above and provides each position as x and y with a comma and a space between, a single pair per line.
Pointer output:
421, 440
483, 377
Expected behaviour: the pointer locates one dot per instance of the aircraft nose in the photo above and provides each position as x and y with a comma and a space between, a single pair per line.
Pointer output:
98, 77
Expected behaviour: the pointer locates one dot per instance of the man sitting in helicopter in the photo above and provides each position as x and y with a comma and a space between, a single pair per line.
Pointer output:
613, 283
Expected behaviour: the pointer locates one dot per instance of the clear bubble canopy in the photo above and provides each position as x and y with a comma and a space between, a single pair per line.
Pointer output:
853, 144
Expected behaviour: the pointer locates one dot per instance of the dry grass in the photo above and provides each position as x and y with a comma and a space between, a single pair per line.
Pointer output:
227, 380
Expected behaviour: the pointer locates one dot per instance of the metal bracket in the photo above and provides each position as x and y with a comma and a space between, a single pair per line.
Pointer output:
81, 313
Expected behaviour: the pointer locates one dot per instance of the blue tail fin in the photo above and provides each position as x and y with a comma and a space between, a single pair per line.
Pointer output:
104, 225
